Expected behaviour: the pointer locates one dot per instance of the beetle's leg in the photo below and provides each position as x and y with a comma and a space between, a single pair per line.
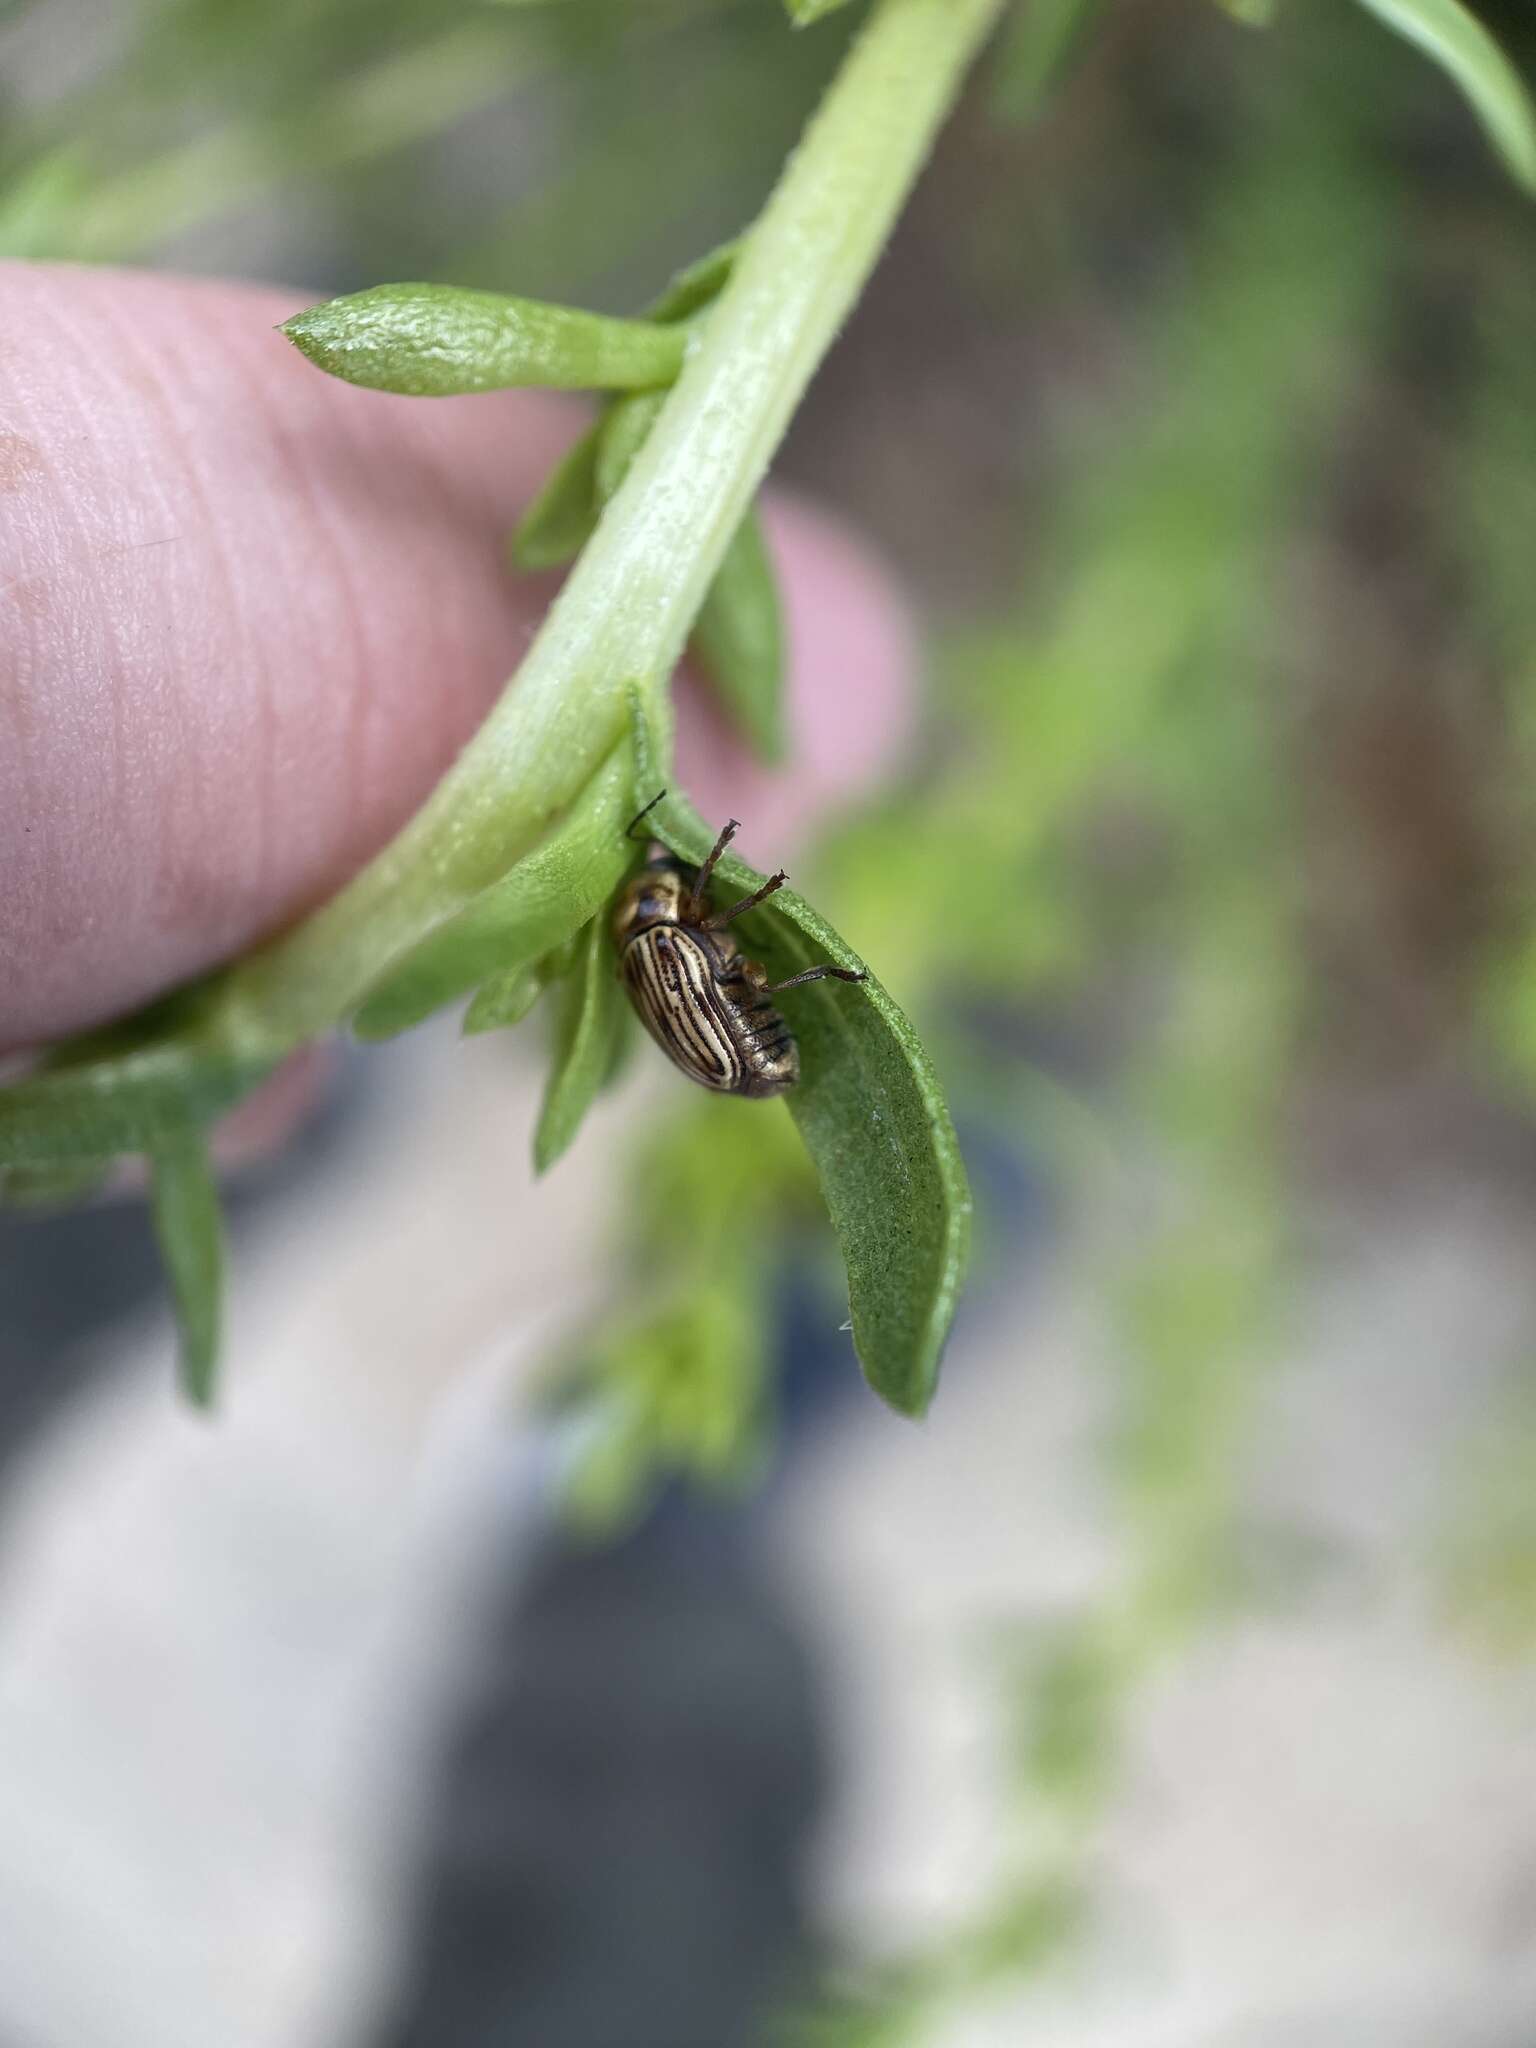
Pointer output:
713, 924
771, 988
728, 832
629, 829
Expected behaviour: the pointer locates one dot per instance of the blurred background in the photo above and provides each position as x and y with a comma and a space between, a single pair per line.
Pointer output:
573, 1665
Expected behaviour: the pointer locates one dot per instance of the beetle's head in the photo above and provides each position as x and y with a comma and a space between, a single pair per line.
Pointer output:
657, 895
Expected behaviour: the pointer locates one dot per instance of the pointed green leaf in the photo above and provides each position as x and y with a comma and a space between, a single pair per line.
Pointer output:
548, 895
738, 640
1457, 41
1043, 42
559, 522
626, 1041
590, 1015
694, 287
505, 999
440, 340
184, 1198
872, 1116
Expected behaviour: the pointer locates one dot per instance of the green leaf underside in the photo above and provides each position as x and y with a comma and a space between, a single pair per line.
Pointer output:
505, 999
623, 431
870, 1112
694, 287
590, 1014
1043, 42
1455, 40
559, 522
738, 639
184, 1200
549, 895
443, 341
117, 1104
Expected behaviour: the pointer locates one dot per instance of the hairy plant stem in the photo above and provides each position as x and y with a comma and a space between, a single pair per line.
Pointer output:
625, 611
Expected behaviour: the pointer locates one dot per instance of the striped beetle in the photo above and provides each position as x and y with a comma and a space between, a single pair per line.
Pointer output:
705, 1005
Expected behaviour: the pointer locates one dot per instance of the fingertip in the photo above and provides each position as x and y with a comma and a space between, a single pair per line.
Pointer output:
250, 615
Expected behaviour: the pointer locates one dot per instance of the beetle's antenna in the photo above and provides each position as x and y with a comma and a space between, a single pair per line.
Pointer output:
629, 829
728, 832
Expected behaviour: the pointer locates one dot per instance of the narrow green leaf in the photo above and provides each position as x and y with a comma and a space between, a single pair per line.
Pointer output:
505, 999
590, 1014
626, 1043
1457, 41
694, 287
1251, 13
622, 433
871, 1114
1042, 43
120, 1102
184, 1198
557, 525
52, 1186
738, 639
803, 12
547, 896
441, 340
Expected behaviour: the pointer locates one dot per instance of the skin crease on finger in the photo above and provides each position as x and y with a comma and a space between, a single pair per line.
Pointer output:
249, 614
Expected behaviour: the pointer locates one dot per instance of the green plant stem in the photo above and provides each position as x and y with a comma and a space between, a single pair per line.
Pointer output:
624, 614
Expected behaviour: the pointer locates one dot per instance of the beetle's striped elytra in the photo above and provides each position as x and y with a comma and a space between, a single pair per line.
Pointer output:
705, 1004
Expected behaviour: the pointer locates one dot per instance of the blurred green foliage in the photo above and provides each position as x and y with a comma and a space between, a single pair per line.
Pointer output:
1486, 1561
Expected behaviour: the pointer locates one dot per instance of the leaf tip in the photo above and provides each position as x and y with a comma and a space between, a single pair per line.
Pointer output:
198, 1374
546, 1151
299, 328
910, 1403
370, 1026
528, 551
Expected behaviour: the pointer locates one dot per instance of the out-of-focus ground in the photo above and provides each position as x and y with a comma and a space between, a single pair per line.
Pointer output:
227, 1652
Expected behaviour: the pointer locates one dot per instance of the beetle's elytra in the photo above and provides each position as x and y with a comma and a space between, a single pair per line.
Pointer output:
702, 1001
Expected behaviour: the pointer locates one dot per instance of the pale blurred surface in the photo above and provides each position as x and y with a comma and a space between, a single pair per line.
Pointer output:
227, 1650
